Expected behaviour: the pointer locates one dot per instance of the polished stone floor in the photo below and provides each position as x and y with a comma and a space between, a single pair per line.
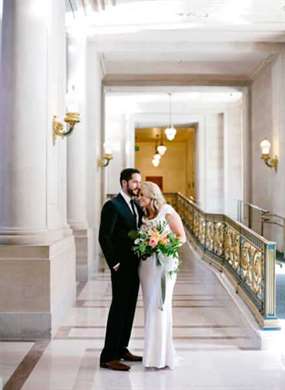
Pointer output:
218, 346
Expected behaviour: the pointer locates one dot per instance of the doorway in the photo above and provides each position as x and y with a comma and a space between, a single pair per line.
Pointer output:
175, 171
157, 180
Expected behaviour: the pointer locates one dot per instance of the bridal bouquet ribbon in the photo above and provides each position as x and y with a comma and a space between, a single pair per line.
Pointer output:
157, 240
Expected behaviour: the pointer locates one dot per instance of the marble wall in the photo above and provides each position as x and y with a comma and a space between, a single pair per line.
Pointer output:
1, 9
268, 121
210, 164
234, 155
117, 136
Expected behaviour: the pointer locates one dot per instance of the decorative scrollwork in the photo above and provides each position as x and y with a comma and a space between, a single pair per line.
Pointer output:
242, 251
202, 229
196, 226
219, 238
210, 236
232, 247
252, 268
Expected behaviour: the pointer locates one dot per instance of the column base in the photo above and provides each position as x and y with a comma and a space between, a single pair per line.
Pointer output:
37, 288
84, 265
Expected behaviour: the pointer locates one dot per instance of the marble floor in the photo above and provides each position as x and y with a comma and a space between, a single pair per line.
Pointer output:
218, 346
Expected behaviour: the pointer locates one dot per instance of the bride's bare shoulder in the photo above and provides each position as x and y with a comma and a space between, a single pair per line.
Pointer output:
167, 209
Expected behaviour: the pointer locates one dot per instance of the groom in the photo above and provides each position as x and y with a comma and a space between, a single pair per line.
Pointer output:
119, 216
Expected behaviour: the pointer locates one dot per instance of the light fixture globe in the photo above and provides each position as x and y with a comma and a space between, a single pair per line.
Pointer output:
162, 149
269, 160
157, 156
265, 146
170, 133
155, 162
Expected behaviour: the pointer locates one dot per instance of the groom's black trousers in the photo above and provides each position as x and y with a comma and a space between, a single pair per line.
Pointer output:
125, 286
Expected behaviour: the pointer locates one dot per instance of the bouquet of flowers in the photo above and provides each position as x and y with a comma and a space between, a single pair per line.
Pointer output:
155, 240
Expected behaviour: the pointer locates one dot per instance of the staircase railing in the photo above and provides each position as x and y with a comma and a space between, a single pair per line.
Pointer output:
259, 220
247, 258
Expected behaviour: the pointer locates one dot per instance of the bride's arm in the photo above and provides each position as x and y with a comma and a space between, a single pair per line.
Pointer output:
176, 226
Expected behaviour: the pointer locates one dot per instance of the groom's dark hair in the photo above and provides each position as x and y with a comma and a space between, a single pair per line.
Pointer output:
127, 174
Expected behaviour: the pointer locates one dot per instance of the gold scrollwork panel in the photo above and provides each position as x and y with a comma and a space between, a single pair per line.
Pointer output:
202, 229
210, 236
252, 268
232, 247
196, 224
219, 228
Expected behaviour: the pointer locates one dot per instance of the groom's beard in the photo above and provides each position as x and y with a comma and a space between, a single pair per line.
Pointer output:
133, 193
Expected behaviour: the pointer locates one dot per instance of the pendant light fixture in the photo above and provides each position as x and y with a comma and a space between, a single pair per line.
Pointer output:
170, 131
161, 147
156, 157
155, 162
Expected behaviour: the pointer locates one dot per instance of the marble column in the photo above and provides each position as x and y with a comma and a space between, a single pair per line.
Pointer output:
37, 255
77, 157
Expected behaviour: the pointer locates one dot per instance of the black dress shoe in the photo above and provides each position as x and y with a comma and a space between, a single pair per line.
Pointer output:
129, 357
115, 365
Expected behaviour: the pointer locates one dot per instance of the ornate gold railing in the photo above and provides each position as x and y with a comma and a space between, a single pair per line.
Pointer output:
247, 258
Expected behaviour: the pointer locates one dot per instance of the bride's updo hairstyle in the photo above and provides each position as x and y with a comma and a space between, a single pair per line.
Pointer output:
152, 191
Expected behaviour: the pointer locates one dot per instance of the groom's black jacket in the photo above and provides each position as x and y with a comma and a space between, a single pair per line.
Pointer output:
117, 221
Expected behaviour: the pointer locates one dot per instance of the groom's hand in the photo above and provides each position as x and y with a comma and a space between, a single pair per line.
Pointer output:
116, 267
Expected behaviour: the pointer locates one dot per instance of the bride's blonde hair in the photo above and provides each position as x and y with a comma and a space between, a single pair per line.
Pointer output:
152, 191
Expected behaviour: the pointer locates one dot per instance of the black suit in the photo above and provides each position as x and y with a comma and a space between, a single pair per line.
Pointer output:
117, 220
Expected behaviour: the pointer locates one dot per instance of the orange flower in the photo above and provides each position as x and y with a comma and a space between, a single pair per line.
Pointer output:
164, 240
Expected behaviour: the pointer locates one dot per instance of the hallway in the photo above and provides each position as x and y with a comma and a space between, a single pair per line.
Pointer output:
212, 340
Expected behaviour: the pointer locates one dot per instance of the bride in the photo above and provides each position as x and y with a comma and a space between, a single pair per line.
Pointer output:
159, 350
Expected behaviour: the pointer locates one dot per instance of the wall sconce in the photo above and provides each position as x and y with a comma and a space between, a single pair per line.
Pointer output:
58, 128
72, 116
270, 161
106, 158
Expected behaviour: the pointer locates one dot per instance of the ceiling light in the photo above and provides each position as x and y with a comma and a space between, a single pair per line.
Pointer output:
155, 162
170, 131
161, 147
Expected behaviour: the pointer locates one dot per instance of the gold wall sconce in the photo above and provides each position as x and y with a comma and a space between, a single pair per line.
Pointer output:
271, 162
58, 128
104, 161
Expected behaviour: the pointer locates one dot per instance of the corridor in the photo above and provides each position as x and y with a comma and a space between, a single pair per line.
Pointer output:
213, 342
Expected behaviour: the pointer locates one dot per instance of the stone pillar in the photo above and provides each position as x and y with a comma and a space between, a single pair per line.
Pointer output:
37, 255
77, 157
95, 118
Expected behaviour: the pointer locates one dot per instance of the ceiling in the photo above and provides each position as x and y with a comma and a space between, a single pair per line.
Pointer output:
223, 38
149, 100
148, 108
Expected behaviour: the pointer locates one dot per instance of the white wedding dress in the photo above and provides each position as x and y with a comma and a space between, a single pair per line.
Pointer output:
159, 350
